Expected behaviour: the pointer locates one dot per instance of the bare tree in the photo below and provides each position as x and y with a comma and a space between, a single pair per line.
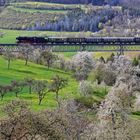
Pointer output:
23, 124
26, 52
4, 90
48, 57
40, 87
17, 86
56, 85
29, 82
8, 55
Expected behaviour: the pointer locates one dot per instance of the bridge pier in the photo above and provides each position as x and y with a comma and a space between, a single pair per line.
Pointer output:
83, 48
121, 50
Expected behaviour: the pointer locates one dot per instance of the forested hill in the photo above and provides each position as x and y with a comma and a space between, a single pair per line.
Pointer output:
67, 16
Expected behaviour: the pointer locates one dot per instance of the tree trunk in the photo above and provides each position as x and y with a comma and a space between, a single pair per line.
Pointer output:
16, 94
48, 65
56, 95
30, 89
2, 97
26, 61
8, 64
57, 99
39, 101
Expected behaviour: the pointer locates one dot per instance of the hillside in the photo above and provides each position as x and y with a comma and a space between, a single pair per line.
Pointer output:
45, 16
19, 71
89, 98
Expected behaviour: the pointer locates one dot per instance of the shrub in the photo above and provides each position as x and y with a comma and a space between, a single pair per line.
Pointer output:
85, 88
111, 57
102, 73
135, 62
86, 101
136, 113
97, 74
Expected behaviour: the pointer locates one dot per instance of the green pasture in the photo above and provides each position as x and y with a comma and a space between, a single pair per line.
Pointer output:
19, 71
32, 4
9, 36
36, 10
39, 4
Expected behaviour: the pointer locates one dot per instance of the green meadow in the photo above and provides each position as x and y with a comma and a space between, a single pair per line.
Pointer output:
19, 71
9, 36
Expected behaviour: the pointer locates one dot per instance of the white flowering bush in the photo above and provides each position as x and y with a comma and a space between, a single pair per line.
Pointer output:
137, 103
83, 63
85, 88
120, 64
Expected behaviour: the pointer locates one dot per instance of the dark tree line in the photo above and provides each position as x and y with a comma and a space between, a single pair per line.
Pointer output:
95, 2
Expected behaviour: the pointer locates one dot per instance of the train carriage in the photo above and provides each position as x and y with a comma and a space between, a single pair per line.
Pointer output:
93, 40
76, 40
127, 40
57, 40
137, 40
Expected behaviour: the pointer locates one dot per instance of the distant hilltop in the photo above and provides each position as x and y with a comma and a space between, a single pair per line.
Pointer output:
124, 3
96, 2
2, 2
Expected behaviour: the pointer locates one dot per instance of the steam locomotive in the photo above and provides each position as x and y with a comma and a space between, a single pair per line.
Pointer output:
86, 40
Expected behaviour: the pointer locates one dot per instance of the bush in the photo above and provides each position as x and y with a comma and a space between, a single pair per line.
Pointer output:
97, 74
136, 113
111, 57
85, 88
103, 74
135, 62
109, 77
86, 101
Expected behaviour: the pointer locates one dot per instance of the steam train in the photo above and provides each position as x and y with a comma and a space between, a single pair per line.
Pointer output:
86, 40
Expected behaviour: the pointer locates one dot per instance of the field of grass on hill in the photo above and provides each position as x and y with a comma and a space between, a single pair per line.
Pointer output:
19, 71
36, 10
46, 5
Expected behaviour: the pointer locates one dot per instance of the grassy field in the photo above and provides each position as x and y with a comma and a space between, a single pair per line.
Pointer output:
19, 71
97, 55
36, 10
9, 36
39, 4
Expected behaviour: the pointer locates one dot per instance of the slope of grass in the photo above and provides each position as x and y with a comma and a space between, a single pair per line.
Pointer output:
43, 5
19, 71
36, 10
